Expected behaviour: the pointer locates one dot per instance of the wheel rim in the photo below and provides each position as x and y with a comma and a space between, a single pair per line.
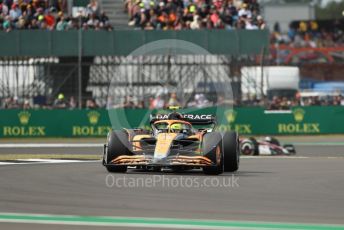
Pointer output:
218, 155
247, 148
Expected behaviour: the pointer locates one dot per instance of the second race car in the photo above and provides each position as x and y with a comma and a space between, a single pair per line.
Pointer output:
267, 146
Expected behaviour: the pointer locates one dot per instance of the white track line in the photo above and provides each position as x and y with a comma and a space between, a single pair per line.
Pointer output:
291, 157
45, 161
8, 163
50, 145
160, 223
53, 160
274, 157
132, 225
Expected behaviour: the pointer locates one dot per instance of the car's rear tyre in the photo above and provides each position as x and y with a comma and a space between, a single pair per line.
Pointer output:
231, 152
117, 145
212, 146
247, 147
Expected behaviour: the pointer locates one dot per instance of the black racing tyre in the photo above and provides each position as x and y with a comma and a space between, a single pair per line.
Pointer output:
248, 147
291, 148
231, 152
117, 145
212, 146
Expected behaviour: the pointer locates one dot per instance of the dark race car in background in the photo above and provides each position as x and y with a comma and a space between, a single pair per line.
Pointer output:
267, 146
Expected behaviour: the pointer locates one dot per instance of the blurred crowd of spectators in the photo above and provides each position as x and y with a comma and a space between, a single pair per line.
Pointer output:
161, 101
40, 102
201, 101
194, 14
49, 15
310, 34
284, 103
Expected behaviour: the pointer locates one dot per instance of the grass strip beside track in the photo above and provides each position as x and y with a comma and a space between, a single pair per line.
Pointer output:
54, 140
8, 157
157, 222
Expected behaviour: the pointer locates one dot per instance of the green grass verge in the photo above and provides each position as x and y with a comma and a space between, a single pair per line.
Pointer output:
53, 140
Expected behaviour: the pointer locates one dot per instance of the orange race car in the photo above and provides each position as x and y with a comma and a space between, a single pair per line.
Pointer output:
173, 143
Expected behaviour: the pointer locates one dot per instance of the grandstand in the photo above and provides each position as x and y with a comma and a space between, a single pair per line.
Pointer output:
81, 62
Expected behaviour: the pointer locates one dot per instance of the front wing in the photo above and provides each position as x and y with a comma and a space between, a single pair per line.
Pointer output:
176, 157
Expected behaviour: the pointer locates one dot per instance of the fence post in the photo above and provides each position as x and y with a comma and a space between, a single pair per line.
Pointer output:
79, 64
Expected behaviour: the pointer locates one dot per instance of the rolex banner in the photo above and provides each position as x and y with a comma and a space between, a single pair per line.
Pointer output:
97, 123
54, 123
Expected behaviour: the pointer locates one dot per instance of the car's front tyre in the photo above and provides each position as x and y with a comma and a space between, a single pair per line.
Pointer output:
231, 152
117, 145
212, 145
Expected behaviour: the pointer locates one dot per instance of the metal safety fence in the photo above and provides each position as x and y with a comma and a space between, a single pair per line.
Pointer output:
108, 80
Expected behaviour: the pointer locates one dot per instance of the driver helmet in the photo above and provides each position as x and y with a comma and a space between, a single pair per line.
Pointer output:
175, 116
268, 139
176, 127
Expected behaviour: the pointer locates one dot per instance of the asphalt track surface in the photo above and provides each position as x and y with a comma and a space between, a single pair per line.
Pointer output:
307, 188
327, 146
308, 150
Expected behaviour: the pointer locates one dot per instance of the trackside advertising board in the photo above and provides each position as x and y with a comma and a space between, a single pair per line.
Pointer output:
96, 123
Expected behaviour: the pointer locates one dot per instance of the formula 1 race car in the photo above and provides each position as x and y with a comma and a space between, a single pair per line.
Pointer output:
266, 146
173, 143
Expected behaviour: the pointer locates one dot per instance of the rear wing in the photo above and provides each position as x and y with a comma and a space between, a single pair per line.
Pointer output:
194, 119
202, 119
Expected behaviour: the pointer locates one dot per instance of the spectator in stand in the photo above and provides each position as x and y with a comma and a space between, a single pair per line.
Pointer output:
275, 103
4, 8
244, 11
60, 5
141, 105
249, 24
200, 101
92, 21
27, 104
62, 23
92, 7
340, 100
15, 12
91, 104
284, 104
129, 102
104, 20
196, 23
60, 102
261, 23
173, 101
158, 102
50, 19
72, 103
